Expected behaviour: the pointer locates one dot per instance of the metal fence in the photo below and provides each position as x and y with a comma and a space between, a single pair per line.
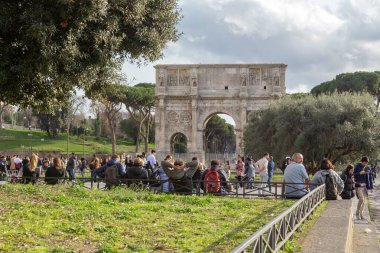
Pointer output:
273, 236
245, 189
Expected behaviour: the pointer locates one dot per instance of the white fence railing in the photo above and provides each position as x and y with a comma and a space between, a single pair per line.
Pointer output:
275, 234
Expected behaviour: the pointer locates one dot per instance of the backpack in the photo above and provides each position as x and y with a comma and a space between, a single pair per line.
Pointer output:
212, 181
331, 190
154, 178
112, 176
148, 167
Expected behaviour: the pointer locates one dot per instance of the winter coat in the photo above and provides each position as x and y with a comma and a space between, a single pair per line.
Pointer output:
349, 186
53, 174
137, 172
320, 178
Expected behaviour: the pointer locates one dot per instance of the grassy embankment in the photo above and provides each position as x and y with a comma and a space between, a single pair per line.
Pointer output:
18, 140
70, 219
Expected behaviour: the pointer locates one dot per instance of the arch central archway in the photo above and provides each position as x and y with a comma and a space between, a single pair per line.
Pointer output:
219, 138
188, 95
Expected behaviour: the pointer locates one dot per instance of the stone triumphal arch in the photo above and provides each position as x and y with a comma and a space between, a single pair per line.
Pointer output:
188, 95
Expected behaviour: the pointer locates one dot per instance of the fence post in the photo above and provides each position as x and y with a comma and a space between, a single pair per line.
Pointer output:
259, 247
283, 190
244, 187
272, 238
275, 190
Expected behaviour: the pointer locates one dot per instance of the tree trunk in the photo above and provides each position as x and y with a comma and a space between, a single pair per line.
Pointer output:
113, 136
98, 125
113, 140
2, 106
147, 134
138, 138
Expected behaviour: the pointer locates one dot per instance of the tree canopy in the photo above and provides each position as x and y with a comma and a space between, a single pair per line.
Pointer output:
352, 82
49, 48
219, 136
339, 127
140, 101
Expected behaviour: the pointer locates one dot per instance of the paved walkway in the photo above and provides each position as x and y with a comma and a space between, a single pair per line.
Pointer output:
364, 238
338, 230
374, 203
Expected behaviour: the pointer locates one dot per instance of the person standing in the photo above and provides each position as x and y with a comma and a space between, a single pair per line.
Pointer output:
151, 160
262, 168
249, 172
361, 175
71, 165
295, 177
347, 177
227, 168
83, 166
239, 171
270, 172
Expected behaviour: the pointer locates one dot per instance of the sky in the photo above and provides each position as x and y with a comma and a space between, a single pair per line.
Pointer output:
317, 39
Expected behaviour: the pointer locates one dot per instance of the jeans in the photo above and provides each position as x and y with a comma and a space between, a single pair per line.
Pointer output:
263, 181
239, 178
361, 193
250, 182
82, 172
71, 172
270, 175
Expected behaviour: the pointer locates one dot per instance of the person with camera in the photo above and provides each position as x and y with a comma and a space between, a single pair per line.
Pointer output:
362, 183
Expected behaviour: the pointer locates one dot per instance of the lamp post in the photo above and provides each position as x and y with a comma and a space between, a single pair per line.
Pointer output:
30, 136
84, 135
30, 141
68, 136
42, 141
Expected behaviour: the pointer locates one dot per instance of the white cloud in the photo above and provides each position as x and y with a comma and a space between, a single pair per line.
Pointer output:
195, 38
318, 39
298, 88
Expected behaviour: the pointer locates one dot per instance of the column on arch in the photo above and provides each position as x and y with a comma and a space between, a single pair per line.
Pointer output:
160, 129
241, 126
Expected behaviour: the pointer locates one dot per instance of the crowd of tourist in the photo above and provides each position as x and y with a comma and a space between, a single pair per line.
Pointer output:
185, 177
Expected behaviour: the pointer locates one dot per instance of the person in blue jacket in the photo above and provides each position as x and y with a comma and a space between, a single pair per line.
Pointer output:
114, 160
362, 183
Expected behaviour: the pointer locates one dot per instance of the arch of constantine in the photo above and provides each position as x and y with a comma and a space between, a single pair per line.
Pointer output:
189, 95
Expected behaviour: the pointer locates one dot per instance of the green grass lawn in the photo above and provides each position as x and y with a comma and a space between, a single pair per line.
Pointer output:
69, 219
18, 140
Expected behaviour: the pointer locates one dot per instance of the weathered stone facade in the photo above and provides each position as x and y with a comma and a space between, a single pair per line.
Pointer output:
189, 95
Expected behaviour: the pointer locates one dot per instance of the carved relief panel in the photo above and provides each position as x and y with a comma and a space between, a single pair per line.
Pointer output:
254, 76
179, 121
178, 77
